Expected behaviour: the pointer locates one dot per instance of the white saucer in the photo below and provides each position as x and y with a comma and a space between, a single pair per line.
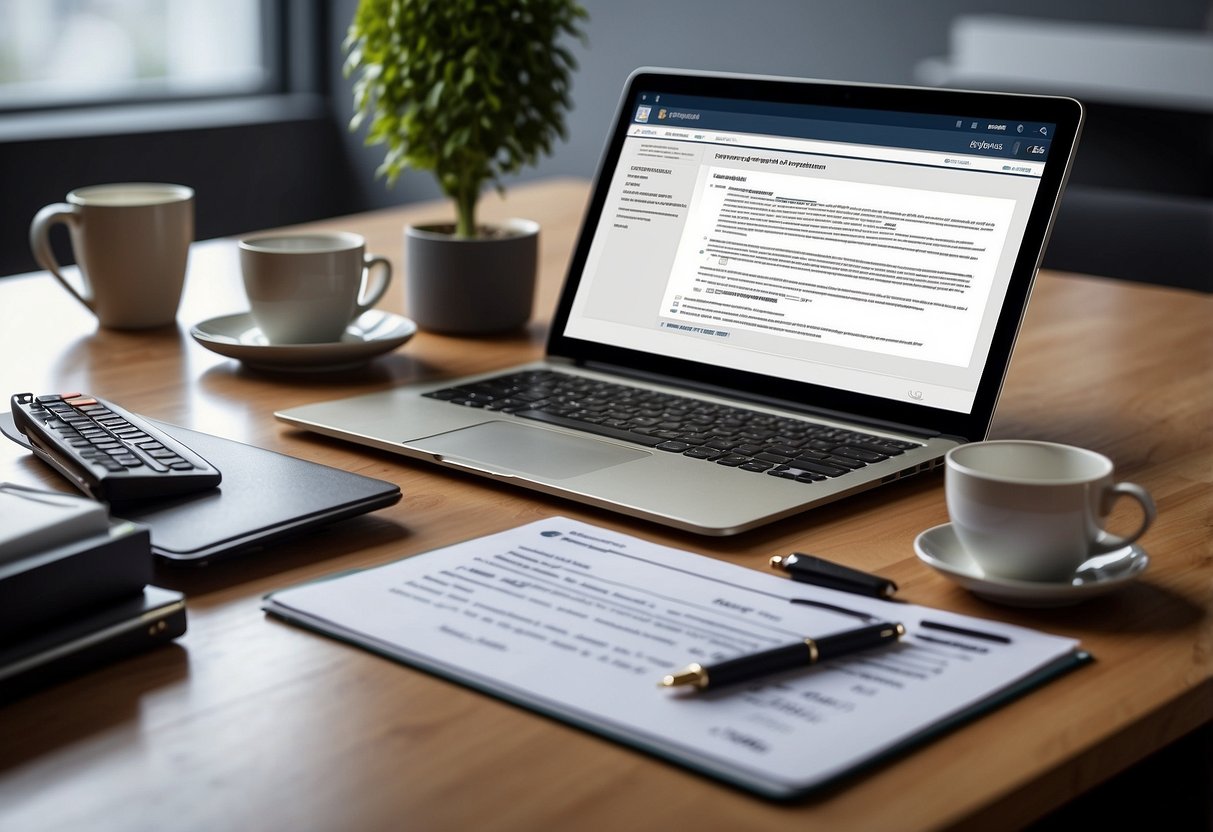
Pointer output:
372, 333
940, 549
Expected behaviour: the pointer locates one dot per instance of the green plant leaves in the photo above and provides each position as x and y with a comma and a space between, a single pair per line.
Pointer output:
469, 89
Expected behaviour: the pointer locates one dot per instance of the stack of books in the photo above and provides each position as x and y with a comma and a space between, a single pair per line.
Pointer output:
74, 589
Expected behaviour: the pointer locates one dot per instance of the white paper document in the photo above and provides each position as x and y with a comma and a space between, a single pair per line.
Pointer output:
897, 270
581, 623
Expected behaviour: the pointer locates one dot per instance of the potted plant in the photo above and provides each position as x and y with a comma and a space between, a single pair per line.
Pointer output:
471, 90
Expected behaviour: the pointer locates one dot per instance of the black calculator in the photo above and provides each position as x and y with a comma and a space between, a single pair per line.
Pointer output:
108, 452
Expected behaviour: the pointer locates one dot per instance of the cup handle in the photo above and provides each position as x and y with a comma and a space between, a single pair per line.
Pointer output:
40, 244
1110, 542
369, 262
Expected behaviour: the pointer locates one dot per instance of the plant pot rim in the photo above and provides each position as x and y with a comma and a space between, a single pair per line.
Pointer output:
441, 231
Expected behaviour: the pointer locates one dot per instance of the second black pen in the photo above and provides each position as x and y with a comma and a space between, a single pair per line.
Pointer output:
814, 570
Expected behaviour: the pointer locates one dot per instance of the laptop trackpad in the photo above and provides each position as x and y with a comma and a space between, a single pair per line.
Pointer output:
509, 448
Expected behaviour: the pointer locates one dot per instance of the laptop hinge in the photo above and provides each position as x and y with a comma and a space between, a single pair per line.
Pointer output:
769, 401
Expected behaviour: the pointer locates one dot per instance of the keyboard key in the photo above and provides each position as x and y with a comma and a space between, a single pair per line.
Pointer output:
732, 460
756, 465
818, 468
673, 446
876, 448
861, 455
841, 461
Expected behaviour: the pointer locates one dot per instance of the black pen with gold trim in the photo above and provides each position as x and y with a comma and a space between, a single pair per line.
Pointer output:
807, 651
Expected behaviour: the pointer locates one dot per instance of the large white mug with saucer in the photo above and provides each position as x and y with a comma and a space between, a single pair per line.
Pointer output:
131, 241
1035, 511
307, 288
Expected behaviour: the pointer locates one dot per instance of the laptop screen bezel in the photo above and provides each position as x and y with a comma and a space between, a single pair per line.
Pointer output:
1065, 113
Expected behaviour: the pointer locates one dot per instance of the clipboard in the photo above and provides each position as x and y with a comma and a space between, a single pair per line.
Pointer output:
578, 623
264, 496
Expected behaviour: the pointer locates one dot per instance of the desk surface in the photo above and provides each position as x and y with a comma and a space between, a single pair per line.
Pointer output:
250, 723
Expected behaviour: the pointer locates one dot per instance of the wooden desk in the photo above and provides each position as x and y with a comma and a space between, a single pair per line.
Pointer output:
251, 724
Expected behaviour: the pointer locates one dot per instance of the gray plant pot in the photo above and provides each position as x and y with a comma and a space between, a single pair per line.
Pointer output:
471, 286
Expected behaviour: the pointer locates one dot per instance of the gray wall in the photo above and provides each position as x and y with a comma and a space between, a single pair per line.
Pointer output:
272, 168
856, 40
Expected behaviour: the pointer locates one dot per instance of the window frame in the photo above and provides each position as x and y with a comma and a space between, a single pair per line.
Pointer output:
294, 55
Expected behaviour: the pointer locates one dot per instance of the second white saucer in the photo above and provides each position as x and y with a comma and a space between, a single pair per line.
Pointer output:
236, 336
940, 549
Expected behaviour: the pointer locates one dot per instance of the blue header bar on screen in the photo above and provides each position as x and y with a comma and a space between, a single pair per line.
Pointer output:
917, 131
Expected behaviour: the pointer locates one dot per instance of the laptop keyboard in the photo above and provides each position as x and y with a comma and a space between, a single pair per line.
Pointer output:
749, 440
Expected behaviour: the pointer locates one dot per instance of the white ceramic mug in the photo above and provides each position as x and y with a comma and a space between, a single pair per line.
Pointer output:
307, 288
1034, 511
131, 241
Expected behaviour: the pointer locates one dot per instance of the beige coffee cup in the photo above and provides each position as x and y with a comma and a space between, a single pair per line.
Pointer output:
1034, 511
131, 241
307, 288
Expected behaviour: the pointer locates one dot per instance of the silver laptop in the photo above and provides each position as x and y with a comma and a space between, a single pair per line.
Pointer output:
784, 292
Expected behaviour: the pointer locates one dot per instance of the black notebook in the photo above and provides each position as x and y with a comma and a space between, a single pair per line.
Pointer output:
264, 495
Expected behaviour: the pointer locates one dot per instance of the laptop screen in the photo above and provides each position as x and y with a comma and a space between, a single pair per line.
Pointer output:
859, 249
